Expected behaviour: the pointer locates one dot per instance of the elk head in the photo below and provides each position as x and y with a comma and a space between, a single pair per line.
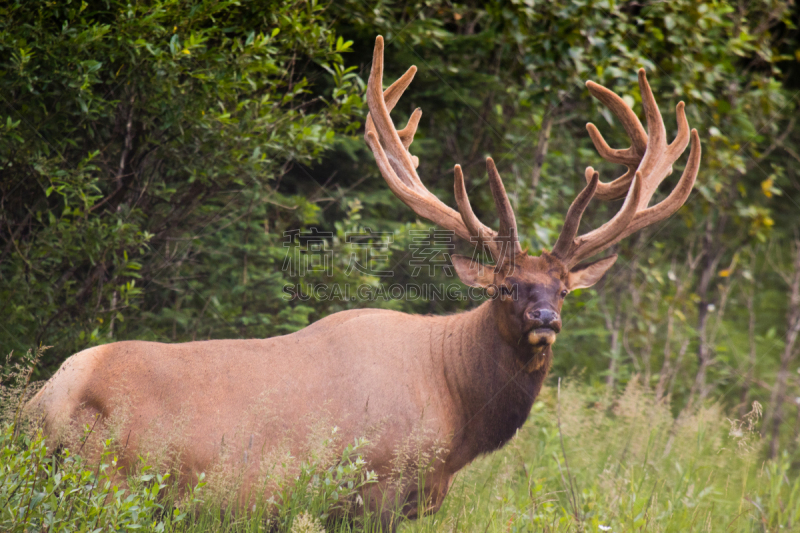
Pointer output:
530, 290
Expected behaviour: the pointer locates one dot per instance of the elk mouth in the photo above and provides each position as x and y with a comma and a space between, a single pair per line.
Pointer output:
541, 338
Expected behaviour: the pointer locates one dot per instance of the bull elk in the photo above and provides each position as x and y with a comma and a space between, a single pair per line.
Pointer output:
467, 380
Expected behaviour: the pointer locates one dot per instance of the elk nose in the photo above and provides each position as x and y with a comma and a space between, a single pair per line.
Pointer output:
544, 318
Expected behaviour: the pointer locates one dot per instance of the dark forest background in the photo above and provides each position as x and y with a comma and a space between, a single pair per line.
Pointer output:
153, 156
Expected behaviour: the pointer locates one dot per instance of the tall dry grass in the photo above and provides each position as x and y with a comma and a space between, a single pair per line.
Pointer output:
586, 462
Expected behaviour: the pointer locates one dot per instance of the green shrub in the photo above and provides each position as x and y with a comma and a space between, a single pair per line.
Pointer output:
41, 491
44, 491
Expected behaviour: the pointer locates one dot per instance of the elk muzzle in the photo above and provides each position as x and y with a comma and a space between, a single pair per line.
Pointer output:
543, 325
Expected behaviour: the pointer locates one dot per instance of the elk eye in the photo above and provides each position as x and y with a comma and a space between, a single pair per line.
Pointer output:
564, 293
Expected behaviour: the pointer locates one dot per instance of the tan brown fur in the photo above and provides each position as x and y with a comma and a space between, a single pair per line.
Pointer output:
436, 376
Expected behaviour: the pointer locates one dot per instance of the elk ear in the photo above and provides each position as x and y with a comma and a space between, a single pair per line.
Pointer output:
471, 272
583, 276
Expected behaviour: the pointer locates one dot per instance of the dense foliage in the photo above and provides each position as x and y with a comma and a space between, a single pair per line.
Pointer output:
162, 162
132, 130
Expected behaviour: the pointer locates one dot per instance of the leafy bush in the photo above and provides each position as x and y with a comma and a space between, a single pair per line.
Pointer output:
43, 491
127, 128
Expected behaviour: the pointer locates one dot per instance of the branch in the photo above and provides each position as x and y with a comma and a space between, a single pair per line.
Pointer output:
540, 152
13, 237
120, 178
128, 143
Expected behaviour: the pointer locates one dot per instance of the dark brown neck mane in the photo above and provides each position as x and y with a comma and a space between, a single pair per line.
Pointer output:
489, 382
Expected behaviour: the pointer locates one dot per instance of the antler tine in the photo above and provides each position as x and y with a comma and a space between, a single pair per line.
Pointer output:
398, 168
678, 145
407, 133
601, 238
394, 161
565, 241
477, 229
391, 96
676, 198
654, 166
630, 157
504, 243
380, 104
657, 162
508, 222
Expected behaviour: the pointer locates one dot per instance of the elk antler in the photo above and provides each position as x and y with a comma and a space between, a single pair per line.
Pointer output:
398, 168
649, 161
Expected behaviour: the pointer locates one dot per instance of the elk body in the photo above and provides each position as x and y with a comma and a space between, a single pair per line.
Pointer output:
463, 383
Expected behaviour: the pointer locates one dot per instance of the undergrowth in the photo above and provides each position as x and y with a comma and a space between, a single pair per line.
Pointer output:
582, 462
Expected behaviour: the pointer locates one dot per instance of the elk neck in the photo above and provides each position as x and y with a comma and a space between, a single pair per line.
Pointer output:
487, 382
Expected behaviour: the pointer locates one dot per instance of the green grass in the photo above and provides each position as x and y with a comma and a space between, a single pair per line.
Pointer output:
582, 462
624, 465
